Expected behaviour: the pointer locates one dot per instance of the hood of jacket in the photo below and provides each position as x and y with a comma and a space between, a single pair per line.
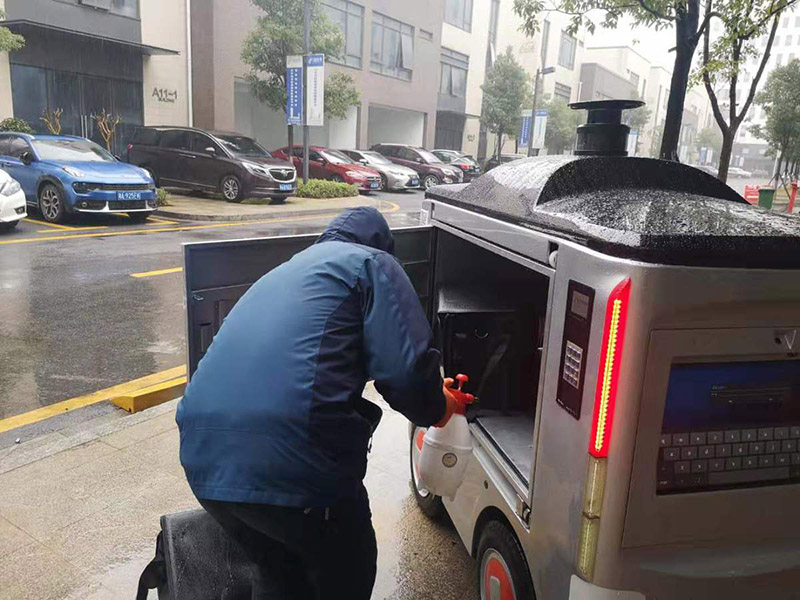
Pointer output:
363, 225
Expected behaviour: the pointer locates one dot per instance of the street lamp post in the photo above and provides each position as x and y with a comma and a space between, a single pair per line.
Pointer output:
307, 51
539, 73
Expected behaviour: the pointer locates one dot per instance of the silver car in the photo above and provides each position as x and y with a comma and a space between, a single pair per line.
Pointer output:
393, 177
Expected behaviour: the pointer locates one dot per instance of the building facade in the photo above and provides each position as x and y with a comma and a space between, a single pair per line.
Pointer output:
392, 50
125, 57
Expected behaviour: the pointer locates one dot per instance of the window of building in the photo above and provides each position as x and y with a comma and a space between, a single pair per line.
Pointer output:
127, 8
458, 13
779, 60
349, 18
566, 50
545, 41
785, 22
777, 40
454, 73
634, 78
426, 35
788, 41
562, 92
392, 47
797, 21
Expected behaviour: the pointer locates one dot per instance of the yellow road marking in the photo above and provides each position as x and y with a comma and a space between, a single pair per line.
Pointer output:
159, 272
73, 229
394, 208
59, 408
160, 220
46, 224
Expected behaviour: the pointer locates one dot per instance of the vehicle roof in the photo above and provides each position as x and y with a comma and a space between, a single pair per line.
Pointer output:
414, 146
644, 209
215, 132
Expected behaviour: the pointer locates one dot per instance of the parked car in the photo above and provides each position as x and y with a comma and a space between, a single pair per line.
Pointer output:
493, 161
232, 164
325, 163
739, 173
62, 174
468, 165
707, 169
432, 171
393, 177
761, 173
12, 202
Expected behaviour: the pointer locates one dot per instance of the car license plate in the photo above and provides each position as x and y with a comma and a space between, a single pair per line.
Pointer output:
285, 187
129, 195
374, 186
414, 182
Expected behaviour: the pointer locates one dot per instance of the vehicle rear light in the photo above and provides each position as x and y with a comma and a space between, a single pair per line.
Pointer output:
608, 373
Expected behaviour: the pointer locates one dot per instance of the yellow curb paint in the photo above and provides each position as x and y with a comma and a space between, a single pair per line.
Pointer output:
160, 220
394, 208
150, 396
73, 229
155, 273
46, 224
40, 414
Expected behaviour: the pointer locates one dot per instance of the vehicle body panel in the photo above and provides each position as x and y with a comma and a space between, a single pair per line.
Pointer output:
468, 165
13, 205
411, 157
366, 179
397, 177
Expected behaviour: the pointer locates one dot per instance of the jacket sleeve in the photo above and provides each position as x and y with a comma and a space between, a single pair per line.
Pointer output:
398, 343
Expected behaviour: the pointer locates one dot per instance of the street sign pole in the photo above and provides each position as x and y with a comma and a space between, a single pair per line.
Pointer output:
306, 51
533, 112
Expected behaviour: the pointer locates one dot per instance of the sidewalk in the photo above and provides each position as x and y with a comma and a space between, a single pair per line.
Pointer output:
199, 208
78, 518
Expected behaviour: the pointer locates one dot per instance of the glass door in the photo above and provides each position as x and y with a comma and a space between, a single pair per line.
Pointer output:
95, 97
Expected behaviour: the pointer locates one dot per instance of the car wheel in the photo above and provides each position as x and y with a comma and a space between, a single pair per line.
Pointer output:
337, 178
384, 183
429, 504
51, 203
231, 189
9, 226
503, 572
429, 181
139, 217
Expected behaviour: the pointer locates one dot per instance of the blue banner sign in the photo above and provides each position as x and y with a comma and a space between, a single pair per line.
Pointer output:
294, 90
524, 129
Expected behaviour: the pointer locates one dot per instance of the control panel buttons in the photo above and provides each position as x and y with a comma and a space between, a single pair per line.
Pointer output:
733, 464
781, 433
740, 449
698, 439
750, 462
723, 450
768, 460
794, 432
680, 439
789, 446
707, 452
666, 440
699, 466
716, 437
689, 453
772, 447
717, 464
783, 460
683, 466
733, 436
672, 454
765, 434
749, 435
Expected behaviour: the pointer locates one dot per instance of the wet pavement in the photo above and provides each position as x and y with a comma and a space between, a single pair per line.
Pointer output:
74, 320
80, 509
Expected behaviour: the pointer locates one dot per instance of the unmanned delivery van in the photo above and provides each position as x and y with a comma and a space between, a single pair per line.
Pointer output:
630, 327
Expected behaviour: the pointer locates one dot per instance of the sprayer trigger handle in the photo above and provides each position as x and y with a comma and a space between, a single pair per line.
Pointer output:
462, 379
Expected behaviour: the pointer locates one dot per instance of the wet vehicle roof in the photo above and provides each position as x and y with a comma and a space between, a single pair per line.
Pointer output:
638, 208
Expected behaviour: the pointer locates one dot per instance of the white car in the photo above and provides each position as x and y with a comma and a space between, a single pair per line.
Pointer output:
740, 173
12, 202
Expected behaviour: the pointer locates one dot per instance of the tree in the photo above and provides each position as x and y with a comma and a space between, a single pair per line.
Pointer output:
52, 120
9, 41
710, 137
780, 100
506, 88
683, 15
743, 22
107, 124
562, 126
279, 33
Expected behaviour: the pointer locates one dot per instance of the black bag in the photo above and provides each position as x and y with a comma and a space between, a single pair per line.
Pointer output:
196, 560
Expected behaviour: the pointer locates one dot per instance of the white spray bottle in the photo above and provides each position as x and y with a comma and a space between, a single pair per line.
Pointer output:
446, 450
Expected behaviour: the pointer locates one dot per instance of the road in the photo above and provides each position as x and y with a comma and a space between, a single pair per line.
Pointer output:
74, 319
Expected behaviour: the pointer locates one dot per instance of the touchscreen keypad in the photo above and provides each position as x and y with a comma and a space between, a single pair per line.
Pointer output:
704, 460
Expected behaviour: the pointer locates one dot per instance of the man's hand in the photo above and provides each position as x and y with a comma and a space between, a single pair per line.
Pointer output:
450, 402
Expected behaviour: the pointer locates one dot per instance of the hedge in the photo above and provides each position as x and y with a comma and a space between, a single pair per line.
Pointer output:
15, 125
322, 188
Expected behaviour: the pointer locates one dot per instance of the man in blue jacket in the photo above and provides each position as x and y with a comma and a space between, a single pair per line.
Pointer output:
273, 428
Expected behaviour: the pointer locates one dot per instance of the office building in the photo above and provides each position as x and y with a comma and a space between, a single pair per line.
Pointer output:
127, 57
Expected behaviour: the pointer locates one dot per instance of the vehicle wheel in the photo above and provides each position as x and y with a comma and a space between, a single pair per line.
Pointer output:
152, 175
138, 217
503, 572
278, 200
429, 504
429, 181
384, 183
231, 189
9, 226
337, 178
51, 203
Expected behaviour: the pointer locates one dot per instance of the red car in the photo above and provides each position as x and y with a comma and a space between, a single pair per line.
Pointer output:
324, 163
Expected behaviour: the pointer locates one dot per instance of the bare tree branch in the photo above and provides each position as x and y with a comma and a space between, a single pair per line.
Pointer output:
654, 12
712, 95
760, 72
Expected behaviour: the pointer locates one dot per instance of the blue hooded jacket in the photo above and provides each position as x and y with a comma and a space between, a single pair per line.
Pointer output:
270, 414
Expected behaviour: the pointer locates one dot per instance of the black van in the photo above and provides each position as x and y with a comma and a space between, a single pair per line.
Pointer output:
229, 163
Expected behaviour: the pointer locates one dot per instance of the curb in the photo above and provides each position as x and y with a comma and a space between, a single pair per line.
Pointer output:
262, 216
150, 396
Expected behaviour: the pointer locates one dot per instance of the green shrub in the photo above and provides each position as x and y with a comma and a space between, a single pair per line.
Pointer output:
15, 125
162, 197
322, 188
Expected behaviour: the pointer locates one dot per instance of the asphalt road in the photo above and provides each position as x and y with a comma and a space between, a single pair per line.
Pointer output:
73, 320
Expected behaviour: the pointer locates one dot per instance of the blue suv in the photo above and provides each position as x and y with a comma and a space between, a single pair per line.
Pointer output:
62, 175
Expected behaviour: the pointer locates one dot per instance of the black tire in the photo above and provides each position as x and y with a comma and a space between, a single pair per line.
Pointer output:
278, 200
429, 181
139, 217
231, 189
429, 504
502, 565
384, 183
9, 226
51, 203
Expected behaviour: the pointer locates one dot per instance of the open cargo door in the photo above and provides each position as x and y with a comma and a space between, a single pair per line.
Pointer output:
217, 274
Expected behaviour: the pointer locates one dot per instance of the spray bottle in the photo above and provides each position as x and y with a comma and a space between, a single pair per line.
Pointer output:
446, 450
